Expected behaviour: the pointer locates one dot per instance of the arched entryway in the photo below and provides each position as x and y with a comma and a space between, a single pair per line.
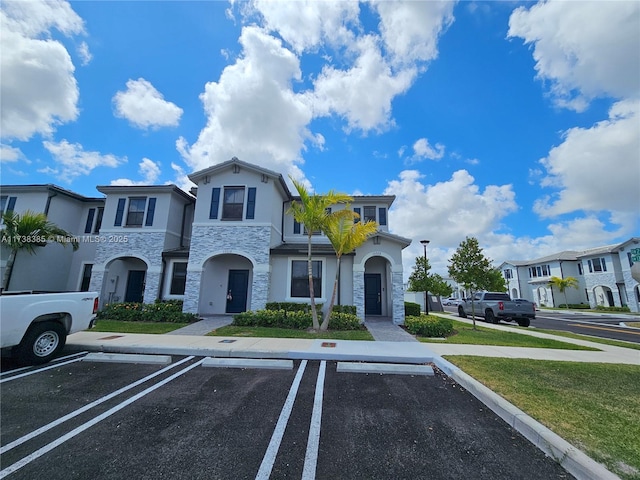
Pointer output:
377, 287
603, 296
514, 293
124, 280
225, 285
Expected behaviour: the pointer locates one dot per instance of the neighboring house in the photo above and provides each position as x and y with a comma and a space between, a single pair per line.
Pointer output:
54, 268
146, 232
603, 274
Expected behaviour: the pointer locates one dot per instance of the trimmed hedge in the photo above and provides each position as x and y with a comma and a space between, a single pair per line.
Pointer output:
429, 326
298, 320
169, 311
411, 309
306, 307
575, 306
613, 309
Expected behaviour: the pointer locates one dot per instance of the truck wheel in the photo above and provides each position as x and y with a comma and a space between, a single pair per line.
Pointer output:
461, 313
524, 322
490, 317
41, 342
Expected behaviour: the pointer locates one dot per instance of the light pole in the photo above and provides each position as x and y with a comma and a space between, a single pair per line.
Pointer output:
426, 294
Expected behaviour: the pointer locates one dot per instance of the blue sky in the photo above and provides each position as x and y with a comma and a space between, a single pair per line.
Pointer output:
516, 123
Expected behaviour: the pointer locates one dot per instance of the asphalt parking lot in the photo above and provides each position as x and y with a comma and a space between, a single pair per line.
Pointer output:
119, 420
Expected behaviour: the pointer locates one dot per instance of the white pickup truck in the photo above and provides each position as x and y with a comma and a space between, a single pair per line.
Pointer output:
35, 325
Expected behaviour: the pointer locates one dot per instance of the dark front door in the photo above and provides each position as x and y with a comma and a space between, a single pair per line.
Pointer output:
372, 294
237, 291
135, 286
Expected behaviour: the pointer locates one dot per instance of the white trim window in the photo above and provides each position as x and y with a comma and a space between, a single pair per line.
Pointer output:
177, 279
299, 278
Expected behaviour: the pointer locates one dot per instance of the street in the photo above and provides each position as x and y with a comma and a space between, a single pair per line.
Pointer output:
603, 326
92, 420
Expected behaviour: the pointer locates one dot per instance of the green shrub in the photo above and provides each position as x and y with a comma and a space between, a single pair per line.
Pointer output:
612, 309
292, 306
170, 311
411, 309
429, 326
575, 306
351, 309
298, 320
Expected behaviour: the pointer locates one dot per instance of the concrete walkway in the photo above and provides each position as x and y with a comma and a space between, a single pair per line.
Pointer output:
204, 326
384, 330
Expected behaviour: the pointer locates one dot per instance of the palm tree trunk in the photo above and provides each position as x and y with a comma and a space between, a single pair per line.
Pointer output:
8, 269
327, 317
314, 314
566, 302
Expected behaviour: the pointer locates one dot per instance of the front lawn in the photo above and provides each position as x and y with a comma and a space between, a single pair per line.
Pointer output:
118, 326
465, 334
594, 406
274, 332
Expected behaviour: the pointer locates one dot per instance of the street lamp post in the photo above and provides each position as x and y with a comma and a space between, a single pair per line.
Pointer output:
426, 294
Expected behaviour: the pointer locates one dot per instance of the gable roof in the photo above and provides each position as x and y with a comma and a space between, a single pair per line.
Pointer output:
196, 177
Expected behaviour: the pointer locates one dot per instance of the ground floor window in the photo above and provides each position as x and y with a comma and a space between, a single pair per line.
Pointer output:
178, 278
300, 278
86, 277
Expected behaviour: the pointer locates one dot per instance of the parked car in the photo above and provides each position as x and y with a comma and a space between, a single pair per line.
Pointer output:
524, 300
35, 325
451, 301
496, 306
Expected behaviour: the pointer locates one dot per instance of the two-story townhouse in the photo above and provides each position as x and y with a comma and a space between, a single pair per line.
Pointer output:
607, 274
54, 268
529, 279
246, 250
143, 248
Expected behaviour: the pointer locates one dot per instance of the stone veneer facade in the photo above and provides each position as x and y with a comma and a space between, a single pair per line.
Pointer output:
249, 241
146, 246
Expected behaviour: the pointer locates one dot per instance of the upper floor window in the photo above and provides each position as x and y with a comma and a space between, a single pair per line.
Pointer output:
233, 203
508, 274
580, 268
539, 271
135, 214
369, 214
136, 210
94, 222
597, 265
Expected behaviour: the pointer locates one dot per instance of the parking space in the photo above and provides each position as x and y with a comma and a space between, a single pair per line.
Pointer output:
188, 421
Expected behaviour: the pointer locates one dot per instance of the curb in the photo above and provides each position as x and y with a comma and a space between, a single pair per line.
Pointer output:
248, 363
127, 358
574, 461
385, 368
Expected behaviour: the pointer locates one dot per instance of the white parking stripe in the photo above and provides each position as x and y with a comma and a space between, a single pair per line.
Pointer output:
47, 448
272, 450
89, 406
58, 359
313, 443
49, 367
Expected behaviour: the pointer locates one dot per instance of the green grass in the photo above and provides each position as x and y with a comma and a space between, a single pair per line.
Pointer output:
465, 334
136, 327
594, 406
269, 332
577, 336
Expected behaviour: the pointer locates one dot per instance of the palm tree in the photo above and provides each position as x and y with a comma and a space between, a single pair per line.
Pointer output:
312, 211
26, 232
562, 284
345, 235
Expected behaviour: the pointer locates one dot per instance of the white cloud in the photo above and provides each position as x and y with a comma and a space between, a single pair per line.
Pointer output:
338, 91
148, 170
252, 111
182, 179
37, 83
410, 30
145, 107
9, 154
84, 53
73, 161
597, 168
584, 49
422, 149
307, 24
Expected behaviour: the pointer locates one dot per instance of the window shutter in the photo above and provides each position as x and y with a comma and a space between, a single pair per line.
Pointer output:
296, 227
358, 211
119, 212
150, 212
99, 220
251, 203
215, 201
382, 216
89, 224
11, 205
